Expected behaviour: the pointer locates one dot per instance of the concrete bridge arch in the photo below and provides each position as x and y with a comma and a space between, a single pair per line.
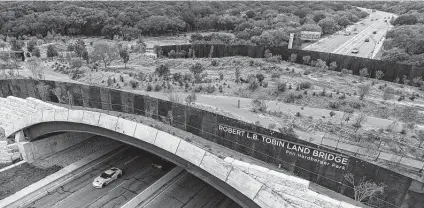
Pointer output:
248, 185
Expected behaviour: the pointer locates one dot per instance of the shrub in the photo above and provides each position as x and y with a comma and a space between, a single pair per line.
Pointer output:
388, 93
260, 77
293, 57
334, 105
275, 75
272, 126
214, 62
322, 65
251, 62
220, 89
281, 86
237, 74
109, 81
198, 88
345, 71
265, 84
333, 66
177, 76
134, 84
306, 60
158, 87
355, 105
332, 113
253, 85
149, 87
162, 70
191, 98
379, 74
364, 90
275, 59
259, 106
51, 51
267, 54
210, 89
289, 98
76, 63
172, 54
197, 69
363, 73
304, 85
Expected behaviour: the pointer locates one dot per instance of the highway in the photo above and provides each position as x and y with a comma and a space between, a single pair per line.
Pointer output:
188, 191
340, 43
80, 193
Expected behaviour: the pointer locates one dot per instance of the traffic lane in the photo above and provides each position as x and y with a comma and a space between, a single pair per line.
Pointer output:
94, 169
80, 192
190, 191
332, 43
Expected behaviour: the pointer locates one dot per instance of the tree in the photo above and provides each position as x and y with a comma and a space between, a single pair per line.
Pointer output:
363, 189
328, 25
79, 48
343, 21
2, 45
250, 14
51, 51
306, 60
406, 19
36, 52
31, 45
379, 74
36, 69
197, 69
363, 73
191, 98
388, 93
162, 70
16, 45
125, 56
85, 55
364, 90
105, 53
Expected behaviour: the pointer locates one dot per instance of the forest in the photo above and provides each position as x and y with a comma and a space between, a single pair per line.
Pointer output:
258, 23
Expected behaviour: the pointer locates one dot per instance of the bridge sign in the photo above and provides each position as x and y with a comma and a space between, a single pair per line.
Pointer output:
310, 35
292, 149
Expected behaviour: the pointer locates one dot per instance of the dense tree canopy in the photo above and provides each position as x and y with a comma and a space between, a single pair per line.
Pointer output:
251, 22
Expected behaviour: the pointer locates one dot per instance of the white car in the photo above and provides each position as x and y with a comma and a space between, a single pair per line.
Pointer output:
107, 177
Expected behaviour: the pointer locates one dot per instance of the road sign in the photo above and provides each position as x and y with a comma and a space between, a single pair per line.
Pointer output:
310, 35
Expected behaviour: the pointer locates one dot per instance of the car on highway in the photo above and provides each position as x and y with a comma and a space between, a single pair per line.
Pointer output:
355, 50
375, 32
107, 177
367, 40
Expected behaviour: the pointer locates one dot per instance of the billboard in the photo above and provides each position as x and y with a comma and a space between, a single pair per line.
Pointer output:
310, 35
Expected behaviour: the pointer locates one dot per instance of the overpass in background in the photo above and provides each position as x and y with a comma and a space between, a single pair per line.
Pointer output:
247, 184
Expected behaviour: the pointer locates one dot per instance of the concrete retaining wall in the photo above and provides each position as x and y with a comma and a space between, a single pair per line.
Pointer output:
43, 148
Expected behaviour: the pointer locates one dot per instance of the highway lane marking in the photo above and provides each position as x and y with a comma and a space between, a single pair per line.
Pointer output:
71, 178
118, 186
131, 160
57, 203
355, 38
156, 195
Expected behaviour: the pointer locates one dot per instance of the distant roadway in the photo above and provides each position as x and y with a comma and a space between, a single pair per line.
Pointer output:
340, 43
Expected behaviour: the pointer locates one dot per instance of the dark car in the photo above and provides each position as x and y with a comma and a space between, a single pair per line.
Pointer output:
375, 32
367, 40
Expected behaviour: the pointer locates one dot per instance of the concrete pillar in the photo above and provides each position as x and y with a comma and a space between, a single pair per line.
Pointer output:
25, 148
